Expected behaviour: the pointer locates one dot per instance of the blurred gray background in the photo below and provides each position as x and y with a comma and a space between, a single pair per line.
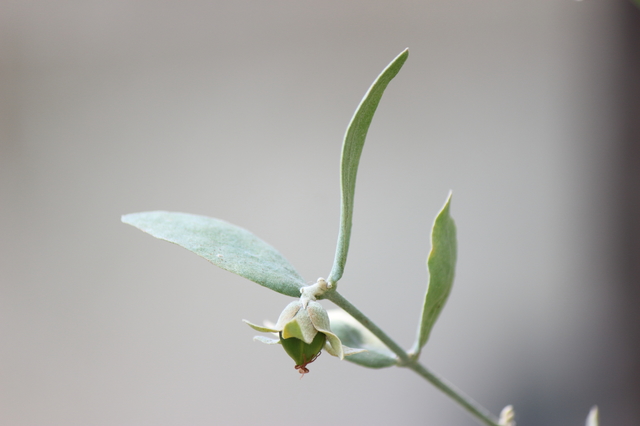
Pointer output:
236, 109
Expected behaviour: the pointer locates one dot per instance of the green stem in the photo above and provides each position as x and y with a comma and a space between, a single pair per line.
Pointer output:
475, 409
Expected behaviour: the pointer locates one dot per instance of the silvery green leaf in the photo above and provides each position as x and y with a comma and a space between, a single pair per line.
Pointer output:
441, 264
355, 335
225, 245
351, 151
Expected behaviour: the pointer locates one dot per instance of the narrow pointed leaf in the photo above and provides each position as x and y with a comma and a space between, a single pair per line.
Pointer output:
225, 245
354, 335
441, 264
351, 151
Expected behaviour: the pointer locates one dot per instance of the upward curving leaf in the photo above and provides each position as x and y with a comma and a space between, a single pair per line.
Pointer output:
351, 151
225, 245
442, 265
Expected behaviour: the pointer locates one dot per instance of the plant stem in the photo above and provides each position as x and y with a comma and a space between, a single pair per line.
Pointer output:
475, 409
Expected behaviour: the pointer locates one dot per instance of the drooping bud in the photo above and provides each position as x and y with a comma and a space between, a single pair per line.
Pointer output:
593, 418
303, 329
507, 416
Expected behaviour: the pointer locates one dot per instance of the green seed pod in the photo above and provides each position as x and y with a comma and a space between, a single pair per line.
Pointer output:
303, 353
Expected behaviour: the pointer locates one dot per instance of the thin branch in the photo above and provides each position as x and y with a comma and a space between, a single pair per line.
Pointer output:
475, 409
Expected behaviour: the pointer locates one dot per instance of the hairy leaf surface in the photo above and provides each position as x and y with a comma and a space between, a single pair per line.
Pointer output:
225, 245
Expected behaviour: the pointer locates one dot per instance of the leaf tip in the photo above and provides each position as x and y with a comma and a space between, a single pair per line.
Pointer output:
402, 57
447, 204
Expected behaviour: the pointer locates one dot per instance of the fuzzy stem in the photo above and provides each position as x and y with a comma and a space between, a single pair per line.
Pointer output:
475, 409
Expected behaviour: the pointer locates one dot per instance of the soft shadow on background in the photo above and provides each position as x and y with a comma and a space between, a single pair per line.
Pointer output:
236, 110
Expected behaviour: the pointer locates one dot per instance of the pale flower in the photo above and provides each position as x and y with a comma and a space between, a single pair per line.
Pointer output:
304, 332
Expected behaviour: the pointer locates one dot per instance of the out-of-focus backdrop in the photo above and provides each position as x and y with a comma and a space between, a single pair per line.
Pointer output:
237, 110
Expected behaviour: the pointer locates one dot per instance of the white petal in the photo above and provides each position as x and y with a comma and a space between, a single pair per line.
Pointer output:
333, 345
318, 316
300, 327
287, 314
260, 328
267, 340
352, 351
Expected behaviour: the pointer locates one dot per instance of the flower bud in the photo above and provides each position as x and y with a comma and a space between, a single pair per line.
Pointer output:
303, 332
